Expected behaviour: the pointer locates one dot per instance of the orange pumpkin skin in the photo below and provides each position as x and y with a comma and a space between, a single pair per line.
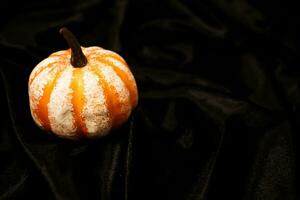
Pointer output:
82, 102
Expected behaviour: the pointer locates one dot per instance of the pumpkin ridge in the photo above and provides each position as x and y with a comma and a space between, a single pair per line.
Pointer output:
95, 111
60, 105
125, 79
118, 58
120, 92
106, 92
49, 65
42, 105
77, 86
106, 53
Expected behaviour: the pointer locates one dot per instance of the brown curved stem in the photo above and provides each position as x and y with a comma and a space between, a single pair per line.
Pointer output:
78, 59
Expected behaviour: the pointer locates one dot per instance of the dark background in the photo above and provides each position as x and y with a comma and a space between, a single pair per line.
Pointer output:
218, 111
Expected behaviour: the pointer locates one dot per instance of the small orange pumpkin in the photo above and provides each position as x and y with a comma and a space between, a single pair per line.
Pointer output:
81, 92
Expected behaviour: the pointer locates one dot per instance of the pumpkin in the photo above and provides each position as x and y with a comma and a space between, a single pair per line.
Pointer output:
81, 92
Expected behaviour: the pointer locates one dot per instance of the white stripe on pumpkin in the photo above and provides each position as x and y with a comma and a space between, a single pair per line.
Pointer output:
89, 50
95, 112
60, 108
103, 53
115, 81
121, 66
42, 66
36, 89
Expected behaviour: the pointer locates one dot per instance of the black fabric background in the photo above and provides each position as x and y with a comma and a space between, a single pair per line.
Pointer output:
218, 111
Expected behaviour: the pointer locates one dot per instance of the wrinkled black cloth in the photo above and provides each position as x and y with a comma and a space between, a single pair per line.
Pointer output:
218, 105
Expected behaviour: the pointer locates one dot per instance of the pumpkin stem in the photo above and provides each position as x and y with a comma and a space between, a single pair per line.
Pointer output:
78, 59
